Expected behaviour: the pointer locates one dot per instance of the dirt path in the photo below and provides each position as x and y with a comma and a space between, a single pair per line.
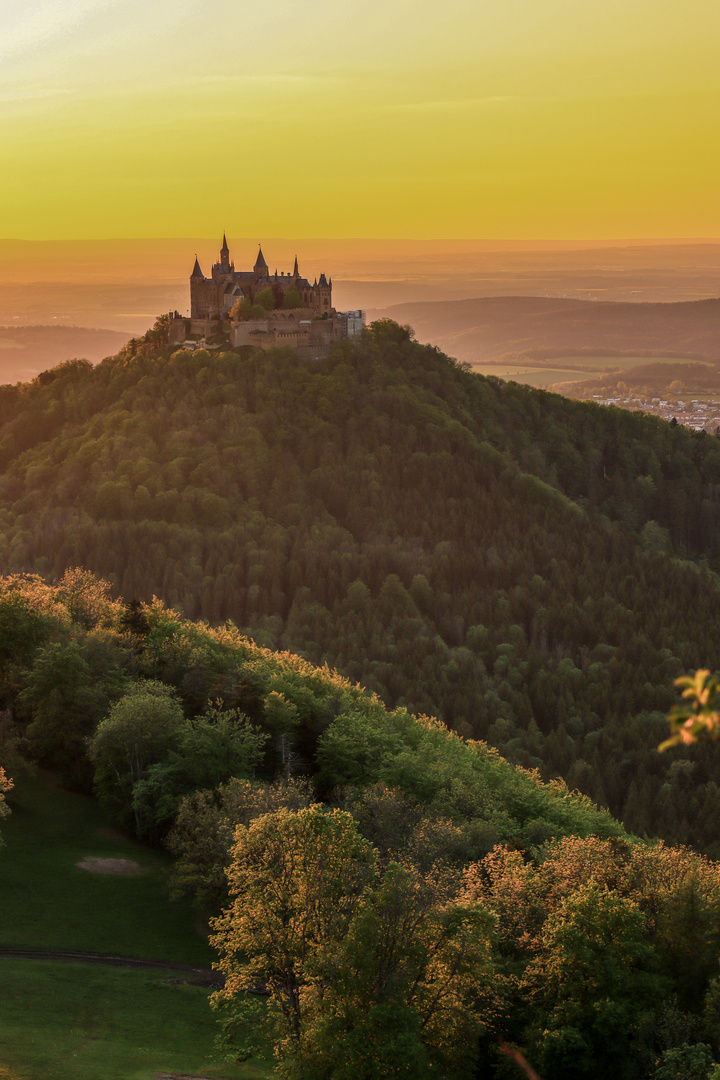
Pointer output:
199, 976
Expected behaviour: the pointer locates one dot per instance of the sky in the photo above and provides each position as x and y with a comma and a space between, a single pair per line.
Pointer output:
519, 119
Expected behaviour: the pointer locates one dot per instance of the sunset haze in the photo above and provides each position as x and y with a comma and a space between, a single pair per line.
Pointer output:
519, 119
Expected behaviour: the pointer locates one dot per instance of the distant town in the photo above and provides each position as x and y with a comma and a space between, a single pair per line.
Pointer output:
697, 414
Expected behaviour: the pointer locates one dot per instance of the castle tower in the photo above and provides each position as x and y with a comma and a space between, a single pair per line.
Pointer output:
203, 294
223, 275
260, 269
322, 294
225, 255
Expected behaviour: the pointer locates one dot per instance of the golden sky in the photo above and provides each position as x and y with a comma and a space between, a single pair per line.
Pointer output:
562, 119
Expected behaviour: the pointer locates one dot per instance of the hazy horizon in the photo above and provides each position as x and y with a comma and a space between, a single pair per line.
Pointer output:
125, 284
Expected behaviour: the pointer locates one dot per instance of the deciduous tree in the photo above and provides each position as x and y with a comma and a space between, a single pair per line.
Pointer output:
139, 731
6, 785
296, 880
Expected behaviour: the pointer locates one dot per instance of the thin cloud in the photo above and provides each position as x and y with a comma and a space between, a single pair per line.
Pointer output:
454, 105
270, 79
33, 94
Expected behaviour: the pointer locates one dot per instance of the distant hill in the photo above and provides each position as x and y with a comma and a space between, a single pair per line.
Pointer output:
535, 327
509, 560
25, 351
670, 378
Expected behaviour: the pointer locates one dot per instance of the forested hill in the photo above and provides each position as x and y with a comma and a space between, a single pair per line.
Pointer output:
429, 894
505, 559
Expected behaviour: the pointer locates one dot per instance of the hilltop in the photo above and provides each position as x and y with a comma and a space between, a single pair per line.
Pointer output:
517, 564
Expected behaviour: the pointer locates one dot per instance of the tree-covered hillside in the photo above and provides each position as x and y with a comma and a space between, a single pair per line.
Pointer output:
406, 899
512, 562
105, 692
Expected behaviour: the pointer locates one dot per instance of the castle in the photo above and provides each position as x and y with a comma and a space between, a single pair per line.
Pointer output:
213, 297
255, 307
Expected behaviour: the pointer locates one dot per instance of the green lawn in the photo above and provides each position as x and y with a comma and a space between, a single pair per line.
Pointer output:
84, 1021
79, 1022
48, 902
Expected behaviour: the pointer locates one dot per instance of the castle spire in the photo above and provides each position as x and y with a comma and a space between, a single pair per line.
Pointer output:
296, 272
197, 272
260, 269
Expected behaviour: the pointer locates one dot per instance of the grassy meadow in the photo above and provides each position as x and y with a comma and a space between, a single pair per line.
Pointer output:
48, 902
80, 1020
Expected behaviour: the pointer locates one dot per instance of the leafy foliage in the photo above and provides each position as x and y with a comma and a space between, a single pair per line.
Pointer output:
698, 718
368, 973
438, 898
6, 785
158, 707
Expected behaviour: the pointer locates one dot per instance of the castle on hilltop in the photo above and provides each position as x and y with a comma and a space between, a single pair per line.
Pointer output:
255, 307
215, 296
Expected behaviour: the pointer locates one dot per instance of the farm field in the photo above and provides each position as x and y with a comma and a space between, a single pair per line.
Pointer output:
540, 376
545, 373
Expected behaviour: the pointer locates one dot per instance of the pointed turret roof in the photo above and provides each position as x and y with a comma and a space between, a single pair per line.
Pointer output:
197, 272
296, 272
260, 261
225, 245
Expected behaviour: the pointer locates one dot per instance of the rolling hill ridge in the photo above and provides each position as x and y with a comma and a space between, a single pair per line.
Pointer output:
534, 327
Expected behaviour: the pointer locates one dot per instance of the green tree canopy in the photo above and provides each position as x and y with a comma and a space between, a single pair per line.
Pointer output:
596, 973
292, 299
296, 880
265, 299
139, 731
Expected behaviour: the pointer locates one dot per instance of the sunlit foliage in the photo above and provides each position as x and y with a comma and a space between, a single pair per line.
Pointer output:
697, 717
369, 972
6, 785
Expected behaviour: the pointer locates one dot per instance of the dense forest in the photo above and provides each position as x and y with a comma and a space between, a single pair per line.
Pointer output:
410, 903
533, 571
